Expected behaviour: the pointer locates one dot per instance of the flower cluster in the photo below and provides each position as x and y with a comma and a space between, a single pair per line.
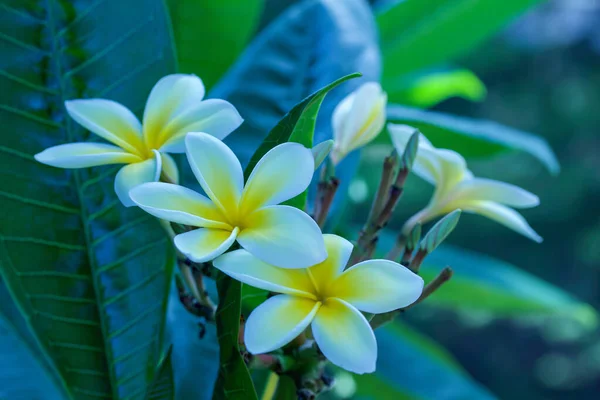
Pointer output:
282, 248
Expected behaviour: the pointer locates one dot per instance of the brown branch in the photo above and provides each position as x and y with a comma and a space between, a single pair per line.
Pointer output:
328, 194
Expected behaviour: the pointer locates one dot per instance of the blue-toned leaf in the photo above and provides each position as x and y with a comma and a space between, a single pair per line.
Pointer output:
471, 137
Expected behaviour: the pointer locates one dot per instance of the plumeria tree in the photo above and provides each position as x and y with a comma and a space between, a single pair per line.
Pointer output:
216, 262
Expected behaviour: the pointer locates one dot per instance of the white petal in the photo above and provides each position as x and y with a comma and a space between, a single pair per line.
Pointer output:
339, 119
244, 267
217, 169
82, 155
216, 117
171, 95
169, 168
205, 244
284, 172
426, 164
345, 337
504, 215
339, 251
178, 204
378, 286
135, 174
283, 236
109, 120
278, 321
491, 190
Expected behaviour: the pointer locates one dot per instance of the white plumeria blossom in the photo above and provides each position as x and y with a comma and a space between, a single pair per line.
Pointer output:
325, 297
175, 107
456, 187
278, 234
358, 119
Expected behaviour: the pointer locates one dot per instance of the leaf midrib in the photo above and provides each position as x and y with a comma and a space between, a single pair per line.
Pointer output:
67, 126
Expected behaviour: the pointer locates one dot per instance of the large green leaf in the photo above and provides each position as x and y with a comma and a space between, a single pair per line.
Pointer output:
210, 35
163, 385
471, 137
89, 275
483, 283
410, 366
421, 34
22, 359
308, 46
234, 380
427, 88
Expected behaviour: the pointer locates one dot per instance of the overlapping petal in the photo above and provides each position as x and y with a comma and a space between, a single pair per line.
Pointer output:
171, 96
217, 169
282, 173
504, 215
205, 244
285, 316
338, 253
345, 336
283, 236
216, 117
378, 286
133, 175
246, 268
178, 204
83, 155
109, 120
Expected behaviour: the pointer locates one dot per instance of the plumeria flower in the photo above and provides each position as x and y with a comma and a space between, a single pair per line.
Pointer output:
325, 297
456, 187
358, 119
174, 108
277, 234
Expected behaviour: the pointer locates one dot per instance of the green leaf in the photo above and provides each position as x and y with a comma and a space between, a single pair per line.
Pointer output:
297, 126
163, 385
210, 35
286, 389
431, 372
421, 34
234, 379
89, 275
440, 231
427, 88
484, 283
24, 373
471, 137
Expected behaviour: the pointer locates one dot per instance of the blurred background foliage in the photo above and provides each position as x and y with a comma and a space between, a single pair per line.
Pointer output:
518, 320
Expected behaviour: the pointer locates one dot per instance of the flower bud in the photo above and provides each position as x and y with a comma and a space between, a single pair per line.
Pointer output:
358, 119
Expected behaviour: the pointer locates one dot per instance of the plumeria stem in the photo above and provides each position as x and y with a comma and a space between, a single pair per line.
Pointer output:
371, 227
328, 193
443, 277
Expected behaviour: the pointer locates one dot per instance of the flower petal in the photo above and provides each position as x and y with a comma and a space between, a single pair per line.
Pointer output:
178, 204
378, 286
244, 267
217, 169
169, 168
83, 155
345, 336
135, 174
216, 117
338, 253
504, 215
491, 190
284, 172
109, 120
283, 236
426, 164
205, 244
171, 96
278, 321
